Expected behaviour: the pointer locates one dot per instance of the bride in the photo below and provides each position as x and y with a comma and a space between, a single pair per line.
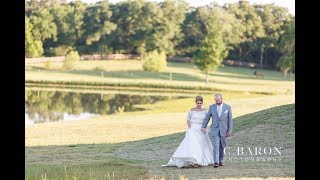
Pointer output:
196, 149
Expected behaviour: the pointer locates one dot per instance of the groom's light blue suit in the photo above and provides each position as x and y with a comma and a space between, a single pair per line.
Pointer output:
218, 129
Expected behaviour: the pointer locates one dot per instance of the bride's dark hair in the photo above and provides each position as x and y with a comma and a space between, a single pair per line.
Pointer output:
199, 98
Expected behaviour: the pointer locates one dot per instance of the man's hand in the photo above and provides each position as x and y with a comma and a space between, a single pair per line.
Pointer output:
203, 130
228, 134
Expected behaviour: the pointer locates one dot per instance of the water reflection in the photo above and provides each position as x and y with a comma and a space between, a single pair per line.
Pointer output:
50, 106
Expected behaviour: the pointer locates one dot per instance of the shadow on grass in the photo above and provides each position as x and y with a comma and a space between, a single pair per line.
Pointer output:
135, 75
142, 158
234, 72
247, 73
249, 76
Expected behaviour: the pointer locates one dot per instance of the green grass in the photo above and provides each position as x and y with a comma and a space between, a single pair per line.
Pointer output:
133, 69
110, 65
104, 166
135, 144
143, 158
185, 76
161, 118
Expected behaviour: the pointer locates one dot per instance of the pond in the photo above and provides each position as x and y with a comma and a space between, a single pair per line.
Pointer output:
43, 106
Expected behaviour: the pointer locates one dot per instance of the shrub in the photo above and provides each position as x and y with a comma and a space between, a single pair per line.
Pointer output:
59, 51
49, 65
72, 58
155, 62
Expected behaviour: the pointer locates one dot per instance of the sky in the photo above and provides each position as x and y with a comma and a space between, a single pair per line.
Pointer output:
290, 4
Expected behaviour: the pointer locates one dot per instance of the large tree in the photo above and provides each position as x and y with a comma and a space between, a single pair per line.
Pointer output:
44, 27
32, 6
69, 21
145, 26
33, 47
220, 36
193, 30
273, 18
131, 26
251, 25
287, 47
169, 33
97, 25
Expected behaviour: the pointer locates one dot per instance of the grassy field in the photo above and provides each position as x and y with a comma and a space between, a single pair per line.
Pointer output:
183, 75
133, 69
142, 157
133, 145
161, 118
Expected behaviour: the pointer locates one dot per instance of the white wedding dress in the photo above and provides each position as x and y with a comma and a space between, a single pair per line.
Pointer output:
196, 147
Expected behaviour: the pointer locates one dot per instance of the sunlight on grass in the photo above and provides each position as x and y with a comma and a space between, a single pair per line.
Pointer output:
159, 119
143, 158
183, 74
135, 144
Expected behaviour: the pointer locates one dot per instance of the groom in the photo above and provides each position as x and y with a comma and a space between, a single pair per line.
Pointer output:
221, 127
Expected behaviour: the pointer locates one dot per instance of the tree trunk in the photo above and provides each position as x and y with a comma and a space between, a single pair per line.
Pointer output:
240, 51
261, 56
142, 51
266, 59
101, 52
207, 77
285, 72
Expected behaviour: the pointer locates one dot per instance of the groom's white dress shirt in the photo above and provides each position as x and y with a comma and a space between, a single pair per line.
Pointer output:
219, 109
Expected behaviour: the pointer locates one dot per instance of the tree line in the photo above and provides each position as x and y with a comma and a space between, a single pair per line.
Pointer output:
264, 34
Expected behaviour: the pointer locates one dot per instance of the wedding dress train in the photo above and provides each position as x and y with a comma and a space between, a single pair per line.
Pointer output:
196, 147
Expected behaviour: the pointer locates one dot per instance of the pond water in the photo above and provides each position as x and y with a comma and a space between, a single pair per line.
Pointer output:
49, 106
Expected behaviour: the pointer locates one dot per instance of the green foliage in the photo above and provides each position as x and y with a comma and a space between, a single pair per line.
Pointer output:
210, 54
251, 22
33, 47
49, 65
287, 47
250, 32
251, 26
214, 48
168, 34
68, 19
286, 63
193, 31
44, 26
272, 21
71, 60
59, 51
155, 62
73, 56
97, 20
222, 23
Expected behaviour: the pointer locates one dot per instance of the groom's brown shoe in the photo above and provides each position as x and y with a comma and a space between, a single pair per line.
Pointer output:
216, 165
221, 164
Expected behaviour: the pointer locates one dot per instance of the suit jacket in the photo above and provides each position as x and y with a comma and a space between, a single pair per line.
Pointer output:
222, 124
